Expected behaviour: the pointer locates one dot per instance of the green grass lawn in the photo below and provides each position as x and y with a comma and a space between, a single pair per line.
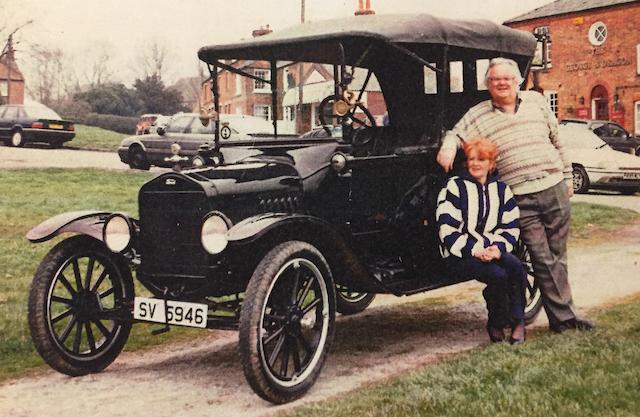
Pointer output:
570, 375
28, 197
95, 139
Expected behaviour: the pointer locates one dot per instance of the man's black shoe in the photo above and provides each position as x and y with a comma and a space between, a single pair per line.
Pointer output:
574, 324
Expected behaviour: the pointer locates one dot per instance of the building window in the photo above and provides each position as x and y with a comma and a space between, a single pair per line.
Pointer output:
543, 48
260, 86
262, 111
597, 33
638, 59
552, 99
637, 114
456, 80
4, 88
290, 113
238, 85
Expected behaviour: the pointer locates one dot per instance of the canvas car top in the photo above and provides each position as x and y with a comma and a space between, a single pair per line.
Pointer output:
293, 43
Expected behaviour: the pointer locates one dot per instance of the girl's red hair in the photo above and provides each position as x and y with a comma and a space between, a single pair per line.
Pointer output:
485, 149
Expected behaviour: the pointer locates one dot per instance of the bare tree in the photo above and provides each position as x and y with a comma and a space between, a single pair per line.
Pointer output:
49, 84
152, 59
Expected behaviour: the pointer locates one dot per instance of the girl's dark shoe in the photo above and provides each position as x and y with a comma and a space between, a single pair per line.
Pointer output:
496, 334
518, 333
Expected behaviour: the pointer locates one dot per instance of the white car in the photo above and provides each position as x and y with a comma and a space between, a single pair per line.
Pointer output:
596, 165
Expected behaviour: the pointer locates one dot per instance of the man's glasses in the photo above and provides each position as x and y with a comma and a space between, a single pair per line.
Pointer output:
497, 80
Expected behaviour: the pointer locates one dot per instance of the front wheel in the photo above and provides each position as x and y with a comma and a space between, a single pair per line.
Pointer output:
580, 180
138, 159
78, 306
287, 322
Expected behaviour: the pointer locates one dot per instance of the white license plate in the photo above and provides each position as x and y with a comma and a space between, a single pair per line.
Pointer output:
631, 175
177, 312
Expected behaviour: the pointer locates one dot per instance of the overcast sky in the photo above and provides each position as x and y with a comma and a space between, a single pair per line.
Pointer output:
123, 27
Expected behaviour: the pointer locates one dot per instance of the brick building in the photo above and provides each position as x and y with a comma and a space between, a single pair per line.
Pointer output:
593, 50
11, 79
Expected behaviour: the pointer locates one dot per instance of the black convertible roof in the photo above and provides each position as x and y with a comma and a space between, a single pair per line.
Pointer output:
316, 41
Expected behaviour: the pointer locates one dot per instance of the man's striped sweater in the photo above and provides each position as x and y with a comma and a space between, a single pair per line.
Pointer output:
531, 156
472, 216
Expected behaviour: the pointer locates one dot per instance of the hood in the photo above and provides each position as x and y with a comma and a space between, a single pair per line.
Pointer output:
604, 157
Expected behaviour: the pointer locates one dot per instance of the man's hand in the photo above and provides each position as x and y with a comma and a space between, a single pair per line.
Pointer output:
569, 188
445, 159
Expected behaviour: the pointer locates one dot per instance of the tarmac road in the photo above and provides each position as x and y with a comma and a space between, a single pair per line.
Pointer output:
72, 158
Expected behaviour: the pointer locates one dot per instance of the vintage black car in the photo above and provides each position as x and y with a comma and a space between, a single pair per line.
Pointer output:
274, 238
20, 124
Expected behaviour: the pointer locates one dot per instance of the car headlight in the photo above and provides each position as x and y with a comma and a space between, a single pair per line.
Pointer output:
214, 232
608, 165
117, 233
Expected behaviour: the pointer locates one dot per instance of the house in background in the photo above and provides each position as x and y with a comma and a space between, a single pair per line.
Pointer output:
593, 53
11, 79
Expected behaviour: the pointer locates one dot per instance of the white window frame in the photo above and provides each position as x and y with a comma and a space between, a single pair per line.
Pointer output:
638, 59
4, 88
262, 110
456, 77
290, 113
262, 86
552, 99
594, 33
481, 71
238, 84
636, 106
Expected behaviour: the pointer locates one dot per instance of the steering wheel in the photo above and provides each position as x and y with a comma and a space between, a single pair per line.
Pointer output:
327, 113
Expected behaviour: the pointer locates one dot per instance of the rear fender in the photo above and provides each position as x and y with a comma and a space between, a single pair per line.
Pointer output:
87, 222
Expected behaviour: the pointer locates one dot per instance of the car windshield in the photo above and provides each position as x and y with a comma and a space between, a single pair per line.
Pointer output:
41, 112
576, 137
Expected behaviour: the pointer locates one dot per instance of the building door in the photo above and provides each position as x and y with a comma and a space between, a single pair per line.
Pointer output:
637, 118
600, 103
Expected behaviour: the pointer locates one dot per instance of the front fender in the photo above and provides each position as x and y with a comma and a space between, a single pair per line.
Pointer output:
254, 227
87, 222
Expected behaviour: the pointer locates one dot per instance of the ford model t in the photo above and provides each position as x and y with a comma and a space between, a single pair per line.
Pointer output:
274, 236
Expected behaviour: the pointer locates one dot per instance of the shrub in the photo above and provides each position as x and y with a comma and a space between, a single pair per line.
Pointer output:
121, 124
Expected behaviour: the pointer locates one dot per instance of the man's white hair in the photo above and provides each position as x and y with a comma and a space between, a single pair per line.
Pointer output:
510, 64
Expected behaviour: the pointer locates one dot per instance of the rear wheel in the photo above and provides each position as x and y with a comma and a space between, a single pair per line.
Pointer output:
78, 306
350, 302
287, 322
138, 159
533, 295
17, 139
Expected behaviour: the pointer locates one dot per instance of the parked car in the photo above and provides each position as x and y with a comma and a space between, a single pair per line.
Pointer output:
596, 165
186, 130
20, 124
144, 123
611, 132
277, 239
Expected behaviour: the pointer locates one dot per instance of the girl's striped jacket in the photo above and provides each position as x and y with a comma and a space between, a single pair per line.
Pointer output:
472, 216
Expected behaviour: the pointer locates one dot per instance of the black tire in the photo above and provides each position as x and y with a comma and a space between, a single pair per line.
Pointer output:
77, 282
349, 302
533, 295
138, 159
17, 139
287, 322
580, 180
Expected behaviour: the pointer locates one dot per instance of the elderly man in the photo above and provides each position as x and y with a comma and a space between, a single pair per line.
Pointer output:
533, 162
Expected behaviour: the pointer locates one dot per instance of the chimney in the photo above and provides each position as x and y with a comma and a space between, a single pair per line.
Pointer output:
261, 32
364, 9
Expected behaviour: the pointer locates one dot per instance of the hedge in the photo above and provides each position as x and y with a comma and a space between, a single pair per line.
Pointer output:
121, 124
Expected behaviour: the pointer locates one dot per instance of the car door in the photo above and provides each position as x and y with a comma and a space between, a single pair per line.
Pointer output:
159, 146
8, 117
